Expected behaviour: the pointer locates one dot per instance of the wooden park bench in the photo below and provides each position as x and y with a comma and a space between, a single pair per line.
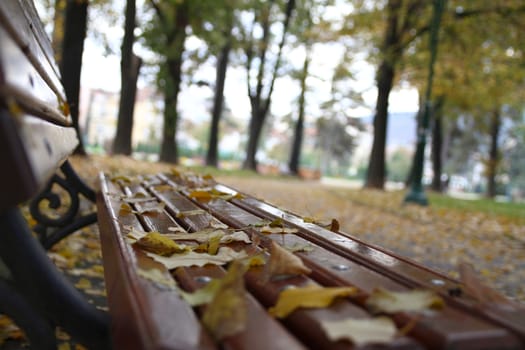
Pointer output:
169, 235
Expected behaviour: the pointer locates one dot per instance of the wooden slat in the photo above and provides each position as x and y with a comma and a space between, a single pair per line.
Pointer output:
253, 337
144, 315
22, 84
33, 150
391, 265
20, 19
304, 323
450, 327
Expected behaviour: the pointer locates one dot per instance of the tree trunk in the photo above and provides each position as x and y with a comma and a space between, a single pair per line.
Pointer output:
58, 29
129, 71
218, 102
295, 156
493, 162
123, 139
255, 128
437, 145
375, 177
71, 64
391, 51
168, 150
261, 104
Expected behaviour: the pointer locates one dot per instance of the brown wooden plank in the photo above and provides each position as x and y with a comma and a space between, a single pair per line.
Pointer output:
304, 323
33, 150
144, 315
23, 84
21, 21
16, 184
450, 327
394, 266
253, 337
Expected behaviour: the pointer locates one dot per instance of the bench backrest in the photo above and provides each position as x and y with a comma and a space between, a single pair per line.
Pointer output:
36, 133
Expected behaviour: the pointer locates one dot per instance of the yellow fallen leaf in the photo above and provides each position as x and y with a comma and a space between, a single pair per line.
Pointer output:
307, 297
125, 209
223, 256
200, 195
157, 243
183, 214
382, 300
278, 229
159, 277
282, 262
299, 248
361, 331
83, 283
203, 295
227, 314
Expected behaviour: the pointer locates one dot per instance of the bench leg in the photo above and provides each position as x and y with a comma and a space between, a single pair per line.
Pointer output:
45, 288
51, 229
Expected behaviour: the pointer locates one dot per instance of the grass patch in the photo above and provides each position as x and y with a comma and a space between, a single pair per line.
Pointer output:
483, 205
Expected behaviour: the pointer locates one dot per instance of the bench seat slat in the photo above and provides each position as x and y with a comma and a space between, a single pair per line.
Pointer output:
450, 327
306, 326
252, 337
144, 315
391, 265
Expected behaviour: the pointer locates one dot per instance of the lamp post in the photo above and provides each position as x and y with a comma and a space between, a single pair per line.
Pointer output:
417, 193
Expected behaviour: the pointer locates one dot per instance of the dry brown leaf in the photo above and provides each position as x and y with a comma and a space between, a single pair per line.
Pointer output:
379, 330
227, 314
282, 262
157, 243
307, 297
382, 300
223, 256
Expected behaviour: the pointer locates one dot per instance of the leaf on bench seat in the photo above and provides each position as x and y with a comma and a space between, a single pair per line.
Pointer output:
227, 314
224, 255
311, 296
157, 243
126, 209
361, 331
282, 230
382, 300
282, 262
161, 278
183, 214
204, 236
138, 197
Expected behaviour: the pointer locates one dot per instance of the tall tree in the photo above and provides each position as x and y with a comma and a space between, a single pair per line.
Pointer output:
129, 72
226, 23
402, 27
297, 142
257, 52
167, 36
75, 27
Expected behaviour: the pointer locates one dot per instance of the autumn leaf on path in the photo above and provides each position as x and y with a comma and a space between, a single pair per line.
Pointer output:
382, 300
361, 331
223, 256
157, 243
308, 297
282, 262
226, 314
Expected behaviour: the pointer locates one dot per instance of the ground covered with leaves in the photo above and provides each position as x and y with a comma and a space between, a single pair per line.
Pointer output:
439, 237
